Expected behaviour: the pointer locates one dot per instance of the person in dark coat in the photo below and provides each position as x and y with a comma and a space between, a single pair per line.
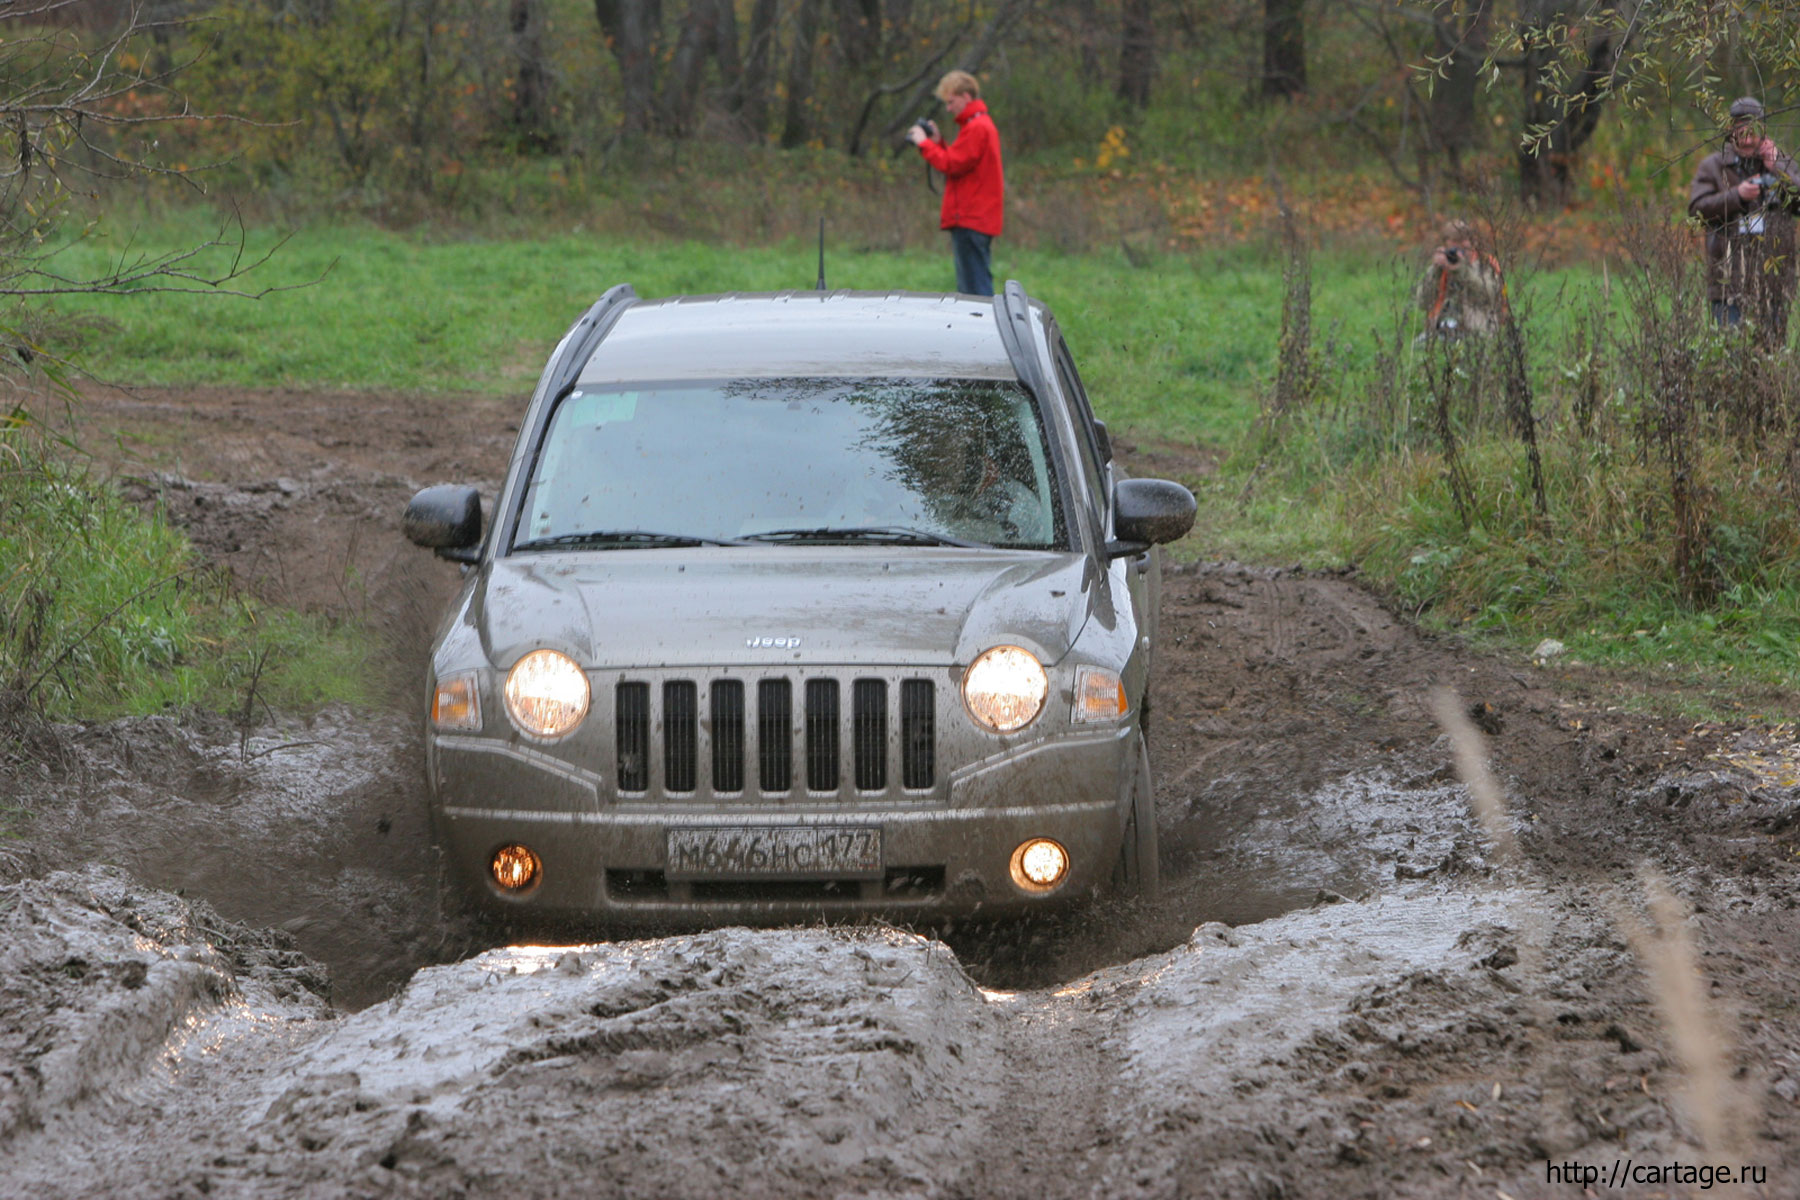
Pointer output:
1747, 195
974, 182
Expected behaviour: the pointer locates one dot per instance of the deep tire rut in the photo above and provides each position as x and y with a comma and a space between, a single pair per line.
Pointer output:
1052, 1132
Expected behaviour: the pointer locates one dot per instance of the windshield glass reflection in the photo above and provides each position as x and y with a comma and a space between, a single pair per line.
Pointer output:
957, 459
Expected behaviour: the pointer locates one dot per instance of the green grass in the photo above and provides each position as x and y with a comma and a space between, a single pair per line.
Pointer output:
1173, 351
107, 612
1176, 353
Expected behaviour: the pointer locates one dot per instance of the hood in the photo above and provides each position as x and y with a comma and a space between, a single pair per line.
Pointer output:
732, 606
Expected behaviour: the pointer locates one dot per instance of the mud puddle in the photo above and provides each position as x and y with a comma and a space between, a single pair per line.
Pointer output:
315, 828
810, 1061
1338, 995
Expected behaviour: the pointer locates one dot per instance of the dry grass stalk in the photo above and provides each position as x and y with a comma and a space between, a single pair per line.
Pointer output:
1672, 969
1470, 748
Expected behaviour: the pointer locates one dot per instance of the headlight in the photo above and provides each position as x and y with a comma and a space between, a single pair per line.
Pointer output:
1004, 689
546, 694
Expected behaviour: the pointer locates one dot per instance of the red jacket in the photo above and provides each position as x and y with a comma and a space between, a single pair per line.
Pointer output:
974, 186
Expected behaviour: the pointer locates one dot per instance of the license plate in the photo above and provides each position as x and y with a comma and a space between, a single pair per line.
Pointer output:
775, 851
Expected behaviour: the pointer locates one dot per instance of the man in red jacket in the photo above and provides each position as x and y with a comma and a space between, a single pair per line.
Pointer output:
974, 186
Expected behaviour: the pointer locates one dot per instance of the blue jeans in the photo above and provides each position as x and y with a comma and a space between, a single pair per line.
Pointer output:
971, 251
1727, 314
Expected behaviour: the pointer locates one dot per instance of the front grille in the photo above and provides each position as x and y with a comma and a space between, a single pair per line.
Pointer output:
681, 736
775, 735
918, 734
668, 740
868, 733
821, 735
728, 735
631, 732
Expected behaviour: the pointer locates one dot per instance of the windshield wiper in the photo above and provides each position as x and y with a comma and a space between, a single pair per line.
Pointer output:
891, 534
620, 539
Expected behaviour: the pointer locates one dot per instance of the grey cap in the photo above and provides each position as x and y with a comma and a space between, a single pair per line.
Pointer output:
1746, 108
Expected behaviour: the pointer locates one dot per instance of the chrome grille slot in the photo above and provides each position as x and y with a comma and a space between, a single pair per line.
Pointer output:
681, 735
727, 735
868, 733
693, 735
774, 735
631, 734
822, 735
918, 733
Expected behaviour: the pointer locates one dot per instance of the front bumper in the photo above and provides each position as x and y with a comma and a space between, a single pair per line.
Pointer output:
943, 854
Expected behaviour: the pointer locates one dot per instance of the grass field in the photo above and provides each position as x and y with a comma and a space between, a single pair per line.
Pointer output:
1173, 351
1178, 353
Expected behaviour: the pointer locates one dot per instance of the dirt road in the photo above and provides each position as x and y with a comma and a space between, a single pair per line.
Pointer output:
222, 973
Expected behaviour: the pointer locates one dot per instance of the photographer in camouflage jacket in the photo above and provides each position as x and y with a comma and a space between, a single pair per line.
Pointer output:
1746, 195
1462, 291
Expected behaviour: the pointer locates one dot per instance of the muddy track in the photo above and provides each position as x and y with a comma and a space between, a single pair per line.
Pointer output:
1341, 992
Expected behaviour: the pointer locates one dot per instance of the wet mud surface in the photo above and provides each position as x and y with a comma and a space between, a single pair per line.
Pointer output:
223, 970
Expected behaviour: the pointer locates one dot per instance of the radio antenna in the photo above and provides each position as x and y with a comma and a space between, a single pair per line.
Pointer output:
821, 285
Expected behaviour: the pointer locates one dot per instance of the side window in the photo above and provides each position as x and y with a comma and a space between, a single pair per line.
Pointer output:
1084, 430
1091, 464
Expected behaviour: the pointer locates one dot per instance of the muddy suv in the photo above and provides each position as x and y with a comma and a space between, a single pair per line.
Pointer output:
798, 604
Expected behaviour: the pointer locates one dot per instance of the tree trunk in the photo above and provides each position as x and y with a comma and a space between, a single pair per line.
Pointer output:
759, 58
859, 31
1137, 52
681, 88
725, 48
1090, 38
1460, 45
631, 28
796, 129
1565, 113
1284, 49
970, 60
530, 116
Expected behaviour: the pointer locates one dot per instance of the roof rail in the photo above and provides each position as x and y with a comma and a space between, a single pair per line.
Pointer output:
585, 335
1012, 311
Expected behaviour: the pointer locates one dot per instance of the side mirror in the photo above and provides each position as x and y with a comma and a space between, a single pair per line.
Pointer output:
447, 519
1149, 512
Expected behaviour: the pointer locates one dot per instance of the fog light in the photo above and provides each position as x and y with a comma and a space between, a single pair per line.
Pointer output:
1040, 865
516, 868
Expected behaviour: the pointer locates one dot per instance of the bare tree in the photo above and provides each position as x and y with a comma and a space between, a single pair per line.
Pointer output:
759, 73
1137, 52
708, 31
859, 31
1459, 33
1566, 76
971, 60
1284, 49
83, 111
530, 114
796, 127
633, 30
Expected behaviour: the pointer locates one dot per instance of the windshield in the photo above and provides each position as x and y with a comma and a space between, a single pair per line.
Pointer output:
961, 461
